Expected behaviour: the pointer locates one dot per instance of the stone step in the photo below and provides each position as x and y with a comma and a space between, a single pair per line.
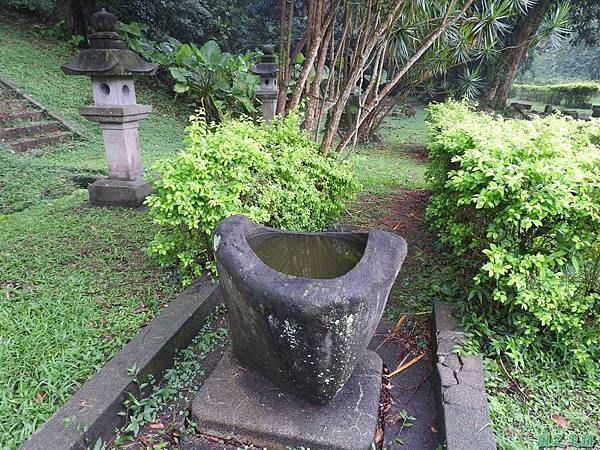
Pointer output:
7, 94
29, 130
22, 145
27, 116
14, 105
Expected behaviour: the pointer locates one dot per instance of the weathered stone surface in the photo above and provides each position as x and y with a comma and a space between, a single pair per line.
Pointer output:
472, 363
444, 318
460, 389
267, 90
571, 113
239, 403
446, 374
304, 331
450, 360
464, 395
108, 55
467, 430
109, 192
448, 340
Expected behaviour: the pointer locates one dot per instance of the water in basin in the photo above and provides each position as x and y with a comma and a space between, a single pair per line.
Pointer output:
309, 256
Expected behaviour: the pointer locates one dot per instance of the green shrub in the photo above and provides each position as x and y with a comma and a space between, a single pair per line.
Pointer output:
571, 95
272, 173
518, 204
41, 8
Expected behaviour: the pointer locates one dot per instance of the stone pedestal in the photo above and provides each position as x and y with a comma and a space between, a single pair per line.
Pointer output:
269, 104
124, 185
238, 403
112, 192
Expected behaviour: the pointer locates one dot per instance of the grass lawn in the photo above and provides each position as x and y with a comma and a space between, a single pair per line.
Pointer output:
75, 282
75, 286
397, 162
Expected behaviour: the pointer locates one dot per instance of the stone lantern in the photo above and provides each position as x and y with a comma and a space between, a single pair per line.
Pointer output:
267, 92
111, 66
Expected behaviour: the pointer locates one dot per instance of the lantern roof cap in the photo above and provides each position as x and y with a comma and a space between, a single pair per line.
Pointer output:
267, 65
107, 55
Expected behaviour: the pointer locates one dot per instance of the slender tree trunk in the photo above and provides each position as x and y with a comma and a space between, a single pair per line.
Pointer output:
285, 61
319, 23
371, 107
499, 86
315, 88
366, 42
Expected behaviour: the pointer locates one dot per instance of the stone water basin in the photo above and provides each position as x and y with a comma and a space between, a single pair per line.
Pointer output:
304, 306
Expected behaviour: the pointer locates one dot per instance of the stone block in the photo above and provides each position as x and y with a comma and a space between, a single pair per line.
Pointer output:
443, 316
110, 192
468, 429
446, 375
239, 403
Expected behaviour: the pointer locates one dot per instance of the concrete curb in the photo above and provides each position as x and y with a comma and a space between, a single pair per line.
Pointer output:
64, 122
459, 387
91, 413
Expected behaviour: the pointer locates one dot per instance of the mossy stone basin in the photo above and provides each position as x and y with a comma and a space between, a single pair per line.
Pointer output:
304, 306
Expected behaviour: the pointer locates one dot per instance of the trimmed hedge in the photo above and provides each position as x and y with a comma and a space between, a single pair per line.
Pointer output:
572, 95
518, 205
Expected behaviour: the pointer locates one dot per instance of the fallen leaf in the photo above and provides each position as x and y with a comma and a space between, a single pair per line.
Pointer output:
379, 434
434, 429
560, 421
157, 426
141, 308
405, 366
39, 398
399, 323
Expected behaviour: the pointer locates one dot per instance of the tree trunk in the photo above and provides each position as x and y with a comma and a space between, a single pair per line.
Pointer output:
366, 42
76, 15
504, 77
371, 107
315, 88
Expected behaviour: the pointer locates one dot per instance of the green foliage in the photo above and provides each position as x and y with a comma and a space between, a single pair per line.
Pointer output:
518, 204
152, 398
569, 63
237, 25
271, 173
42, 8
574, 95
221, 83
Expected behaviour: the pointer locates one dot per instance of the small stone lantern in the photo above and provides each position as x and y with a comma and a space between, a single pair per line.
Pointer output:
111, 66
267, 92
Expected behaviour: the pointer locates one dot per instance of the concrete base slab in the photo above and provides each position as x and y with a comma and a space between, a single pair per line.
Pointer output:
111, 192
238, 403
